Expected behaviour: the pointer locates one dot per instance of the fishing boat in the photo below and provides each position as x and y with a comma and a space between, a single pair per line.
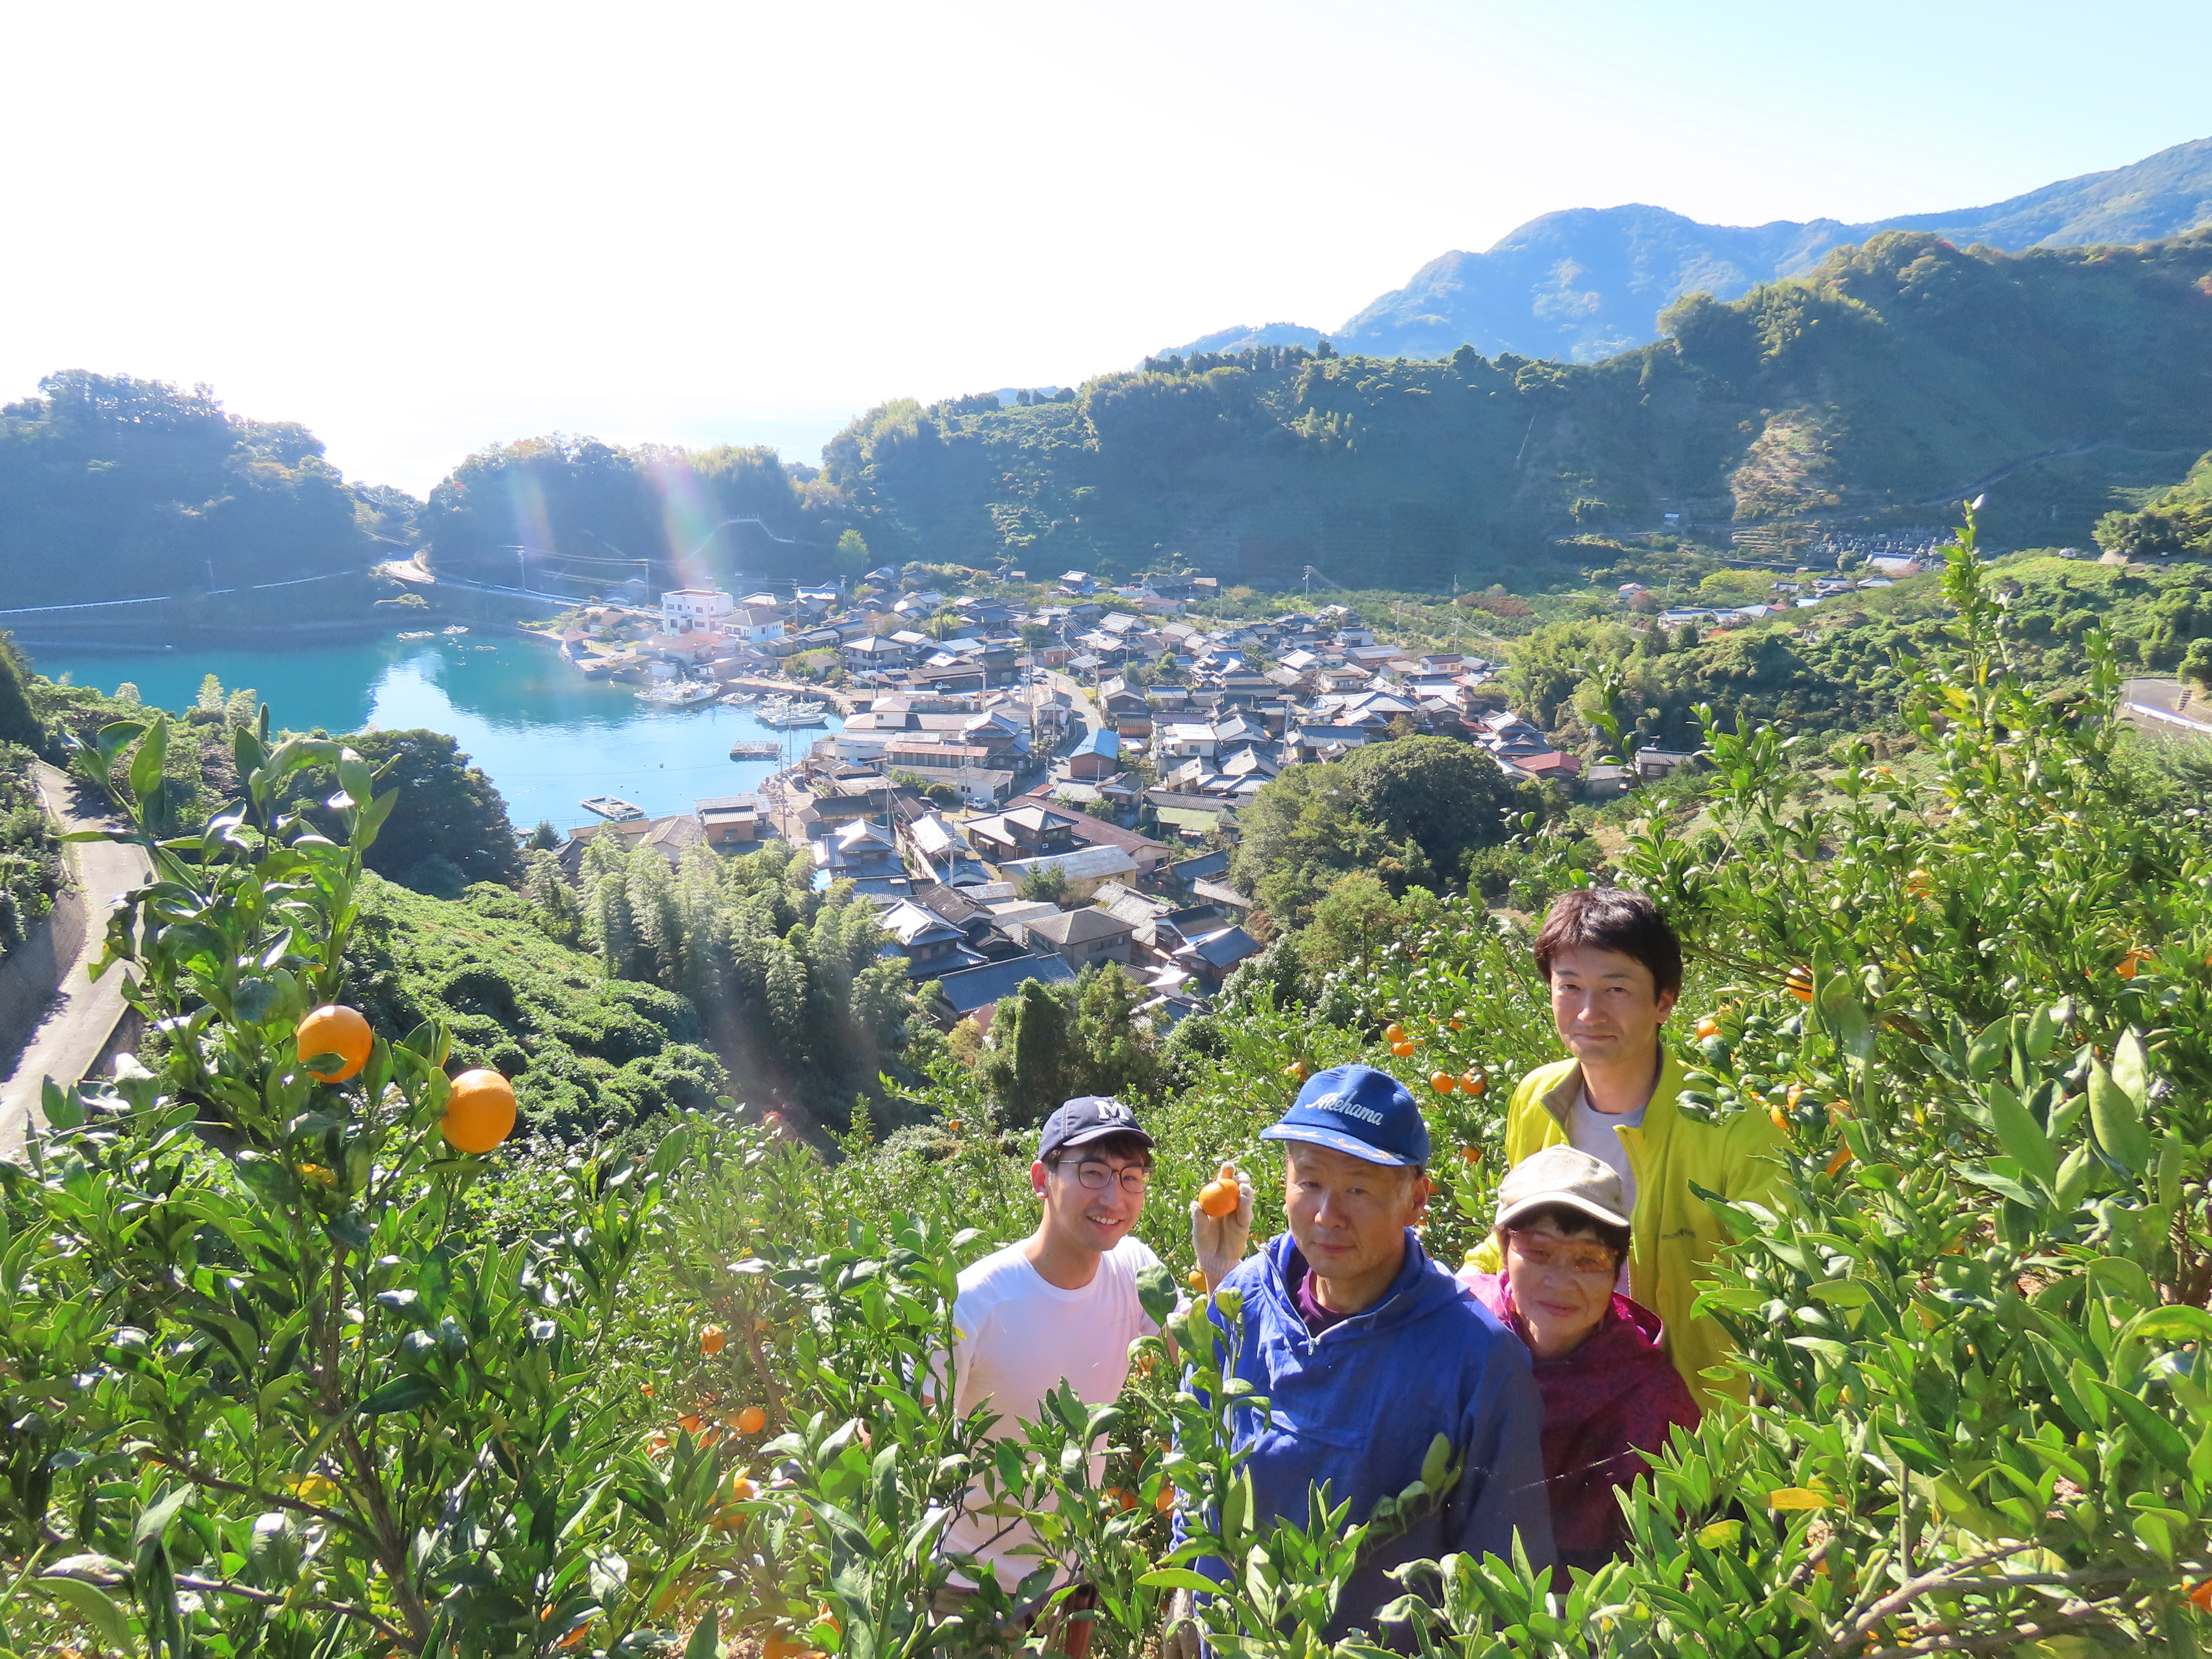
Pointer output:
742, 699
756, 749
786, 716
613, 808
679, 694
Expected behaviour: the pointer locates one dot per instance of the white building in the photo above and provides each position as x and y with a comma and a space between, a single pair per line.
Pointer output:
690, 610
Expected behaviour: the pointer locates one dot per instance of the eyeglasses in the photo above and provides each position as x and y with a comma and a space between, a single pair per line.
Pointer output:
1587, 1260
1096, 1177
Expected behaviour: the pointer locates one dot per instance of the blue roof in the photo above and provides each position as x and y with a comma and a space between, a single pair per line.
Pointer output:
978, 988
1102, 740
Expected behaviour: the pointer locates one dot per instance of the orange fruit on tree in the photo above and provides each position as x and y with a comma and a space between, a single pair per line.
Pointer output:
711, 1340
334, 1029
1919, 884
1843, 1156
1781, 1119
1470, 1154
1708, 1026
752, 1421
479, 1111
952, 1126
2201, 1595
1402, 1049
1165, 1501
1295, 1071
1798, 981
1444, 1083
1195, 1279
1394, 1032
1473, 1082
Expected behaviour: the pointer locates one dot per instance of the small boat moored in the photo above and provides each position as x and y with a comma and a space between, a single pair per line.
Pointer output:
613, 808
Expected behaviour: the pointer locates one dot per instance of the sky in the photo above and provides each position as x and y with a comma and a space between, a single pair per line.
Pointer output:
423, 229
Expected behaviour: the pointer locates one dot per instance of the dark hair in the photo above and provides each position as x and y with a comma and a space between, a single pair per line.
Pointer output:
1612, 919
1130, 1149
1569, 1222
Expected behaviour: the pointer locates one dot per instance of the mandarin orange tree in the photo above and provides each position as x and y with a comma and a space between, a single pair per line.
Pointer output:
261, 1394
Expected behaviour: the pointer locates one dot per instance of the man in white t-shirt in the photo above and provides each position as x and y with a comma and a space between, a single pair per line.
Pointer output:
1062, 1306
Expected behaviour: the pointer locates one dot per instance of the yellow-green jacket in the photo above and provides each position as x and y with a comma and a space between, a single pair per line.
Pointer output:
1672, 1231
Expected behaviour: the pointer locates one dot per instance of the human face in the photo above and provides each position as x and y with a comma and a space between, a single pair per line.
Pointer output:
1607, 1007
1562, 1287
1078, 1217
1349, 1217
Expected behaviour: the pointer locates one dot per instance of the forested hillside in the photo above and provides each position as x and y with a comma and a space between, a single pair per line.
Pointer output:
114, 487
1891, 381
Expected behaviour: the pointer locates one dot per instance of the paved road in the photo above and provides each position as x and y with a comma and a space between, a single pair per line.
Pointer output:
84, 1011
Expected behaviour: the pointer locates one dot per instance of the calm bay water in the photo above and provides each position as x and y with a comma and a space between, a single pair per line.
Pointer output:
547, 737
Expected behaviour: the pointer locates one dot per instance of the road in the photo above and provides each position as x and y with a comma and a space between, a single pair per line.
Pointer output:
84, 1011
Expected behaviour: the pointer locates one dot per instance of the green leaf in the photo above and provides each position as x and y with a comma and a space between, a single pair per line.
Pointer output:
2172, 1324
2118, 1122
96, 1607
154, 1523
1179, 1578
1155, 1292
146, 764
2131, 1067
706, 1642
2023, 1137
401, 1394
2159, 1437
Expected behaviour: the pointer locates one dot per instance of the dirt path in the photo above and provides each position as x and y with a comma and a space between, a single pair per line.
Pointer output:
67, 1042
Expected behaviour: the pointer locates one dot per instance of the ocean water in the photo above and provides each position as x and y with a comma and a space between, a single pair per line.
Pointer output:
547, 736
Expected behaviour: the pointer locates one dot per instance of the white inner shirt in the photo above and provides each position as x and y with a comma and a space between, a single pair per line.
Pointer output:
1019, 1337
1592, 1132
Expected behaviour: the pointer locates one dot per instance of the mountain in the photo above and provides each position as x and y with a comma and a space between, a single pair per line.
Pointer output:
1586, 283
1894, 378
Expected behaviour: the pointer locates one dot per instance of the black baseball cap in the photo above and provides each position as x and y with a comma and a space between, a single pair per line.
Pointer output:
1085, 1119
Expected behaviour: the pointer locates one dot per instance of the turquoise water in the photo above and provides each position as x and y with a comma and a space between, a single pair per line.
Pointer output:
547, 736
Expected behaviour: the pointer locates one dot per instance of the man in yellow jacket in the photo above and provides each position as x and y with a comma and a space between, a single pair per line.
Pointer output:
1616, 969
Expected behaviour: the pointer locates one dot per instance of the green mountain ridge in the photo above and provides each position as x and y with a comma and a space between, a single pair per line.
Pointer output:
1874, 391
1587, 283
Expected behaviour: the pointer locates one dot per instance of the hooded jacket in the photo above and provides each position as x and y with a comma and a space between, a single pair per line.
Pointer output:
1357, 1406
1606, 1404
1673, 1231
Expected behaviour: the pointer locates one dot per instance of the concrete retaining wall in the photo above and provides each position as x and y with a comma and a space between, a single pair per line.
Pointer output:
32, 973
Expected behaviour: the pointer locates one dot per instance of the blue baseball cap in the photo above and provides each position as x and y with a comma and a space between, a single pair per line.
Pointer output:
1085, 1119
1358, 1111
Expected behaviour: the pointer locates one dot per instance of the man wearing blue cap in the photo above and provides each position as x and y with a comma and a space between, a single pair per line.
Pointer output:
1366, 1350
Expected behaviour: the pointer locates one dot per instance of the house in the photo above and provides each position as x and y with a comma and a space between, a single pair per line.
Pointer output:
753, 626
1211, 957
1553, 766
1184, 740
729, 820
933, 947
1098, 755
974, 993
669, 836
1084, 939
695, 610
858, 852
1026, 832
1653, 765
1083, 872
873, 651
1084, 830
937, 848
1607, 782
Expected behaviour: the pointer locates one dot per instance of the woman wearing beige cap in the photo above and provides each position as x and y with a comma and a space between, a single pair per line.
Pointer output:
1610, 1393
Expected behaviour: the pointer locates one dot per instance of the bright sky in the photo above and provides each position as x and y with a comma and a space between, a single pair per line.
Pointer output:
423, 228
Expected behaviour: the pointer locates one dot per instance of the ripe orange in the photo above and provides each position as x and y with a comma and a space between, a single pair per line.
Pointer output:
711, 1340
479, 1112
952, 1126
1444, 1083
752, 1421
1121, 1498
1470, 1154
1473, 1082
1165, 1501
1843, 1156
1798, 981
1220, 1196
2132, 962
1394, 1032
1195, 1279
1919, 884
1708, 1026
1781, 1119
334, 1029
1402, 1049
2201, 1594
1296, 1070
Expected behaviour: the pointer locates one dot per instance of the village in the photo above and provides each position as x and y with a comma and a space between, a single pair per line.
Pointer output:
1027, 792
